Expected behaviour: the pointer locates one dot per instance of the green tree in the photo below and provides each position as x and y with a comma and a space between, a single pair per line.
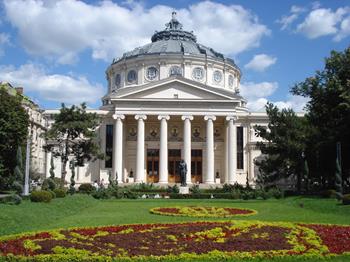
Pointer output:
14, 122
72, 136
328, 112
284, 141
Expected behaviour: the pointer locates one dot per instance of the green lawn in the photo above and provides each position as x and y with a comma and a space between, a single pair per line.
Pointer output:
83, 210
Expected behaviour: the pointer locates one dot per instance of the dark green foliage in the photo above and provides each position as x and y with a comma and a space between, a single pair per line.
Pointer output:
328, 193
72, 181
13, 133
60, 192
262, 194
51, 183
53, 194
346, 199
227, 188
102, 193
41, 196
173, 189
11, 200
52, 168
328, 114
285, 140
275, 192
19, 172
73, 133
86, 188
195, 189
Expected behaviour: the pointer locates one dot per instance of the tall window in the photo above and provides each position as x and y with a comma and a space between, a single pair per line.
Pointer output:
240, 147
109, 146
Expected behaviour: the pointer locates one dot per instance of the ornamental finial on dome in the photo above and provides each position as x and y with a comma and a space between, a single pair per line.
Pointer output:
174, 24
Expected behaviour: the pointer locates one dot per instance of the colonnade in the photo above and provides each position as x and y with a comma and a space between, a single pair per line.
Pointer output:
209, 178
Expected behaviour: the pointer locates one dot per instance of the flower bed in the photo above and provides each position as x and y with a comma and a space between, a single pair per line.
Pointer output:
200, 211
207, 240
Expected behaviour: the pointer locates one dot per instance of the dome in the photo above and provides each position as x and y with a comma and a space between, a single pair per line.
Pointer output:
174, 40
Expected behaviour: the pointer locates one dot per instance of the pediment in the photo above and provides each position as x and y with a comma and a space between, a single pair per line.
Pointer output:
175, 90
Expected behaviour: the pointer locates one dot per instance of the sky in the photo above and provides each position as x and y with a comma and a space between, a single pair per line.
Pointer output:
58, 50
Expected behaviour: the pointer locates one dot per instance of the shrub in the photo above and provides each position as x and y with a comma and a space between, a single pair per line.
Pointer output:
276, 193
53, 194
195, 189
329, 193
229, 188
60, 192
41, 196
248, 195
261, 193
236, 194
86, 188
346, 199
11, 200
173, 189
102, 193
129, 194
51, 183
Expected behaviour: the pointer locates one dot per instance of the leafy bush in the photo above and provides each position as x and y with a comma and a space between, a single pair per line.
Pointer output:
60, 192
329, 193
53, 194
86, 188
173, 189
51, 183
248, 194
195, 189
18, 187
262, 194
276, 193
11, 200
102, 193
41, 196
346, 199
236, 194
229, 188
129, 194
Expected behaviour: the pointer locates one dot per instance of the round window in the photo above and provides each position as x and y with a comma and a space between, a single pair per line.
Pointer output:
198, 73
132, 76
230, 80
117, 80
217, 76
175, 71
152, 73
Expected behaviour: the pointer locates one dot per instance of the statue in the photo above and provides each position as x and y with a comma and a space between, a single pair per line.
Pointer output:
183, 172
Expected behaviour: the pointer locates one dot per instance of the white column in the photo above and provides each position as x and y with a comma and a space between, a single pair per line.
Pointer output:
187, 146
140, 156
231, 149
209, 179
117, 161
163, 150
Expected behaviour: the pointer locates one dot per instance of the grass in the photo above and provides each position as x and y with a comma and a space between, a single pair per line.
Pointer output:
83, 210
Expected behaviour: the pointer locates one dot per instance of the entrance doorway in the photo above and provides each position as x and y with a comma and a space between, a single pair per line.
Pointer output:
196, 165
152, 165
174, 158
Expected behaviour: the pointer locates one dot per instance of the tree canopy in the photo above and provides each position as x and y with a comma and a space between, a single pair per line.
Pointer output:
72, 136
14, 122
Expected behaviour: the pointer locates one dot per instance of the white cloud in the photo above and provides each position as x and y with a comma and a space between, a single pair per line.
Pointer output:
4, 40
287, 20
62, 29
52, 87
321, 22
258, 95
261, 62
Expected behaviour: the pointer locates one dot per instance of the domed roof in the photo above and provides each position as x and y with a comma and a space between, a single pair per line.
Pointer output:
174, 40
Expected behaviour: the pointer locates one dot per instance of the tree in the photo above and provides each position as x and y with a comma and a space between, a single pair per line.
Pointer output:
72, 136
328, 113
14, 122
284, 142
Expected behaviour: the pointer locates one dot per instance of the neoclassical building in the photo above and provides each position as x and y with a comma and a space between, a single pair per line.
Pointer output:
174, 99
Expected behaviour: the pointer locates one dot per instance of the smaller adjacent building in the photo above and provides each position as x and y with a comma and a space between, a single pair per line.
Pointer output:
37, 126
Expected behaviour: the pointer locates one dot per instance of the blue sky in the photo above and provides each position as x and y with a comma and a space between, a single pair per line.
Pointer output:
59, 50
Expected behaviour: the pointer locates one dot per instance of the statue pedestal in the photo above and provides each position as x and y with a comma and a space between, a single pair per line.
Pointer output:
184, 190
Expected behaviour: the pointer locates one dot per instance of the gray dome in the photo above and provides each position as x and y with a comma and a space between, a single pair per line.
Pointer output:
174, 40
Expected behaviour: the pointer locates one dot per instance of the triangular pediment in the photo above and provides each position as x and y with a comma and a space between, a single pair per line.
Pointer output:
175, 89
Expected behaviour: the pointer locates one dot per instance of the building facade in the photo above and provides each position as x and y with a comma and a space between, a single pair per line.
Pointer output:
169, 100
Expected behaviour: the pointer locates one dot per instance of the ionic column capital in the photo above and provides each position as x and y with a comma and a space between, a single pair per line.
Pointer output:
212, 118
231, 118
166, 117
118, 116
187, 117
140, 117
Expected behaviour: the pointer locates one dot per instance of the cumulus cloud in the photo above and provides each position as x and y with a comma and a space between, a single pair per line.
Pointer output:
52, 87
62, 29
320, 22
258, 95
4, 40
261, 62
287, 20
